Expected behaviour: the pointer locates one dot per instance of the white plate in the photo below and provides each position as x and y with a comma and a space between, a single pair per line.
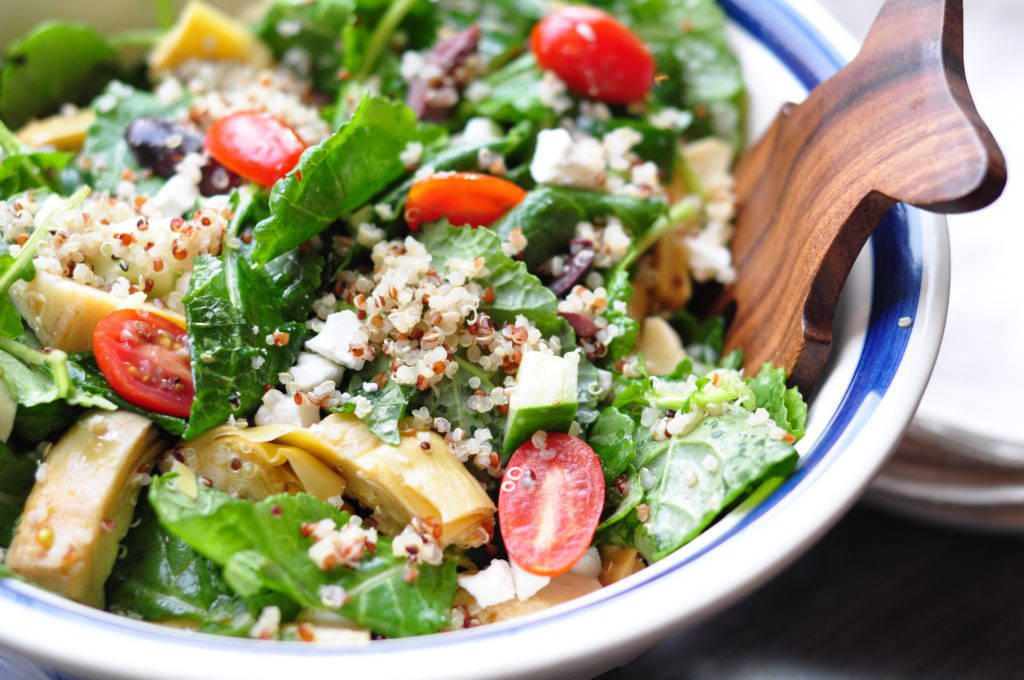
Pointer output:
872, 387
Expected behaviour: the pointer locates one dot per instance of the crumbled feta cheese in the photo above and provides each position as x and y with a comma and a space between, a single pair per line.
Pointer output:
617, 145
281, 409
527, 584
480, 130
369, 234
490, 586
411, 155
589, 564
553, 93
559, 160
312, 369
342, 333
267, 625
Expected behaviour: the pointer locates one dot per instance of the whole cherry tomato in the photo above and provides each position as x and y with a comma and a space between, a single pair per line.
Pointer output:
594, 54
256, 145
462, 198
550, 503
146, 359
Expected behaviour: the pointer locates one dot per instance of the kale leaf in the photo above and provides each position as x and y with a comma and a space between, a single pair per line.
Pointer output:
339, 175
692, 478
516, 290
161, 577
786, 406
389, 401
262, 545
229, 314
548, 217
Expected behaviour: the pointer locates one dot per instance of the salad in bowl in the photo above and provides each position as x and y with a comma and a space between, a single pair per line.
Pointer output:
370, 320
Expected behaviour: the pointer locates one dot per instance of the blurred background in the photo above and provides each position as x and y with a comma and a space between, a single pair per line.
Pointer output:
924, 577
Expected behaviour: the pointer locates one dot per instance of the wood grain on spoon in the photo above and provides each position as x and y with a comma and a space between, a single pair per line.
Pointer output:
896, 125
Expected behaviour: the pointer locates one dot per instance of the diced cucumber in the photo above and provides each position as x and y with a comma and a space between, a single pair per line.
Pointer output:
544, 397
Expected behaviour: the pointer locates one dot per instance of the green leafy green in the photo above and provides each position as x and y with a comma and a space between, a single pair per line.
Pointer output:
620, 292
34, 424
702, 74
160, 578
786, 406
56, 63
389, 402
21, 169
229, 316
611, 437
261, 545
516, 290
106, 152
548, 217
87, 377
450, 400
312, 28
17, 475
513, 94
688, 480
339, 175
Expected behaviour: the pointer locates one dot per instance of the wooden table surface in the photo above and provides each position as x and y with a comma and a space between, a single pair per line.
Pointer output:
878, 597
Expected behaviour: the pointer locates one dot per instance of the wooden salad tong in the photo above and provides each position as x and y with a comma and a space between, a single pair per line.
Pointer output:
896, 125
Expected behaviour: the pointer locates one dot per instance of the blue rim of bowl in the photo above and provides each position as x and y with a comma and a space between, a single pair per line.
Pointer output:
897, 260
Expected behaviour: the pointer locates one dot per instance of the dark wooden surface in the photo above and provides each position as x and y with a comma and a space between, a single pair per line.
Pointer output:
896, 124
878, 597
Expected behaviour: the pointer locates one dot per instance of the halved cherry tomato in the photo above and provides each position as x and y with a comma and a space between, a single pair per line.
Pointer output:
550, 503
594, 54
462, 198
145, 358
255, 145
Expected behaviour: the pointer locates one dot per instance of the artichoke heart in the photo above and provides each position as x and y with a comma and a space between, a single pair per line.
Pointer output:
248, 463
406, 481
82, 504
204, 32
64, 313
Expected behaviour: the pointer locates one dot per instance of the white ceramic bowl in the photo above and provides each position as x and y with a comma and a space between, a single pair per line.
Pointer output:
873, 384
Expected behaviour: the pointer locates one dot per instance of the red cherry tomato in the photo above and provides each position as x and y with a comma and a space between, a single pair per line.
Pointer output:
549, 505
594, 54
462, 198
145, 358
255, 145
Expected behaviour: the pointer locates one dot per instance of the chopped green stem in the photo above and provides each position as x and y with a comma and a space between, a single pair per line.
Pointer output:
382, 34
683, 211
28, 251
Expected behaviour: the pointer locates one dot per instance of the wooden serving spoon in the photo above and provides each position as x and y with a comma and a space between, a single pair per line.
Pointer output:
896, 125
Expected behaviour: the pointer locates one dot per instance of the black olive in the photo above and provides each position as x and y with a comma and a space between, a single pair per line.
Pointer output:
576, 267
160, 145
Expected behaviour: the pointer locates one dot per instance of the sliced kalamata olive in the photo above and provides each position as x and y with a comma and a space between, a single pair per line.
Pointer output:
160, 144
576, 267
583, 326
434, 97
217, 179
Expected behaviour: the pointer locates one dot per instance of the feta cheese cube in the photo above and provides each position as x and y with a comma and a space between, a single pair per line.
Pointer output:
280, 409
562, 161
490, 586
312, 369
527, 584
334, 342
